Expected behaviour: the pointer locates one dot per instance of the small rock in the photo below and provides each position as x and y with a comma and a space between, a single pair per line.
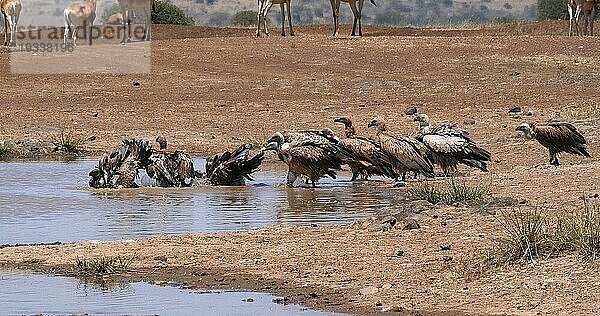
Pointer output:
410, 223
378, 303
369, 290
469, 122
446, 247
411, 111
95, 114
447, 258
386, 286
399, 253
313, 295
593, 196
161, 258
514, 109
279, 300
392, 309
136, 83
248, 300
313, 225
529, 112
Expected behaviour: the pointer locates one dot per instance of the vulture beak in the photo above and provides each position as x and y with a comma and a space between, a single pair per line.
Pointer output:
270, 146
417, 119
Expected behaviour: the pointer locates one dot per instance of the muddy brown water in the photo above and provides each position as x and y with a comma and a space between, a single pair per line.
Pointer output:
47, 201
25, 293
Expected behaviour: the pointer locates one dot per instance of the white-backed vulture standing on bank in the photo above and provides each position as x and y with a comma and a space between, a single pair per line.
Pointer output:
406, 154
119, 168
450, 145
231, 168
373, 161
174, 169
306, 154
558, 137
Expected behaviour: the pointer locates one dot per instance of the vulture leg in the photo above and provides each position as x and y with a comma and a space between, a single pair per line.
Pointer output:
354, 175
313, 183
291, 178
554, 158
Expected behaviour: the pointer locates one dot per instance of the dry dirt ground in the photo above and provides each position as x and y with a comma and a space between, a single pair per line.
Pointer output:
211, 89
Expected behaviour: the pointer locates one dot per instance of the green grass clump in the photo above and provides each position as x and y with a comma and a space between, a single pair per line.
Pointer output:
453, 192
67, 142
104, 265
5, 150
529, 235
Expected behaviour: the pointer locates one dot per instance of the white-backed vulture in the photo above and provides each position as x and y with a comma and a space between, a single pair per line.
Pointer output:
451, 145
558, 137
307, 154
231, 168
406, 154
372, 160
174, 169
119, 168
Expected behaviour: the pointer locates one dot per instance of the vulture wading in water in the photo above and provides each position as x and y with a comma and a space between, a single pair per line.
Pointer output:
558, 137
231, 168
372, 160
450, 145
119, 168
174, 169
406, 154
306, 154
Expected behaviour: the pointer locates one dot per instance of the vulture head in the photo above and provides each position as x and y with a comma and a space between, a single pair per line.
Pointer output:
277, 138
378, 123
422, 118
162, 142
525, 128
347, 125
344, 120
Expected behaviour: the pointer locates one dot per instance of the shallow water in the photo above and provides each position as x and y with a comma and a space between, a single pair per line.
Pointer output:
28, 293
50, 201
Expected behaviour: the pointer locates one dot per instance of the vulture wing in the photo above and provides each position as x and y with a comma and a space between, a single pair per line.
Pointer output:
408, 152
561, 136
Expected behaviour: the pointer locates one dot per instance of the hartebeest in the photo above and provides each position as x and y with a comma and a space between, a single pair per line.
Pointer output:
80, 13
10, 11
575, 8
357, 12
127, 7
263, 9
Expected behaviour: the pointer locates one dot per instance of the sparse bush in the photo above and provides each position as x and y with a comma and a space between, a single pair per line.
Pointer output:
103, 265
453, 192
168, 13
68, 143
581, 233
257, 143
505, 19
244, 19
551, 10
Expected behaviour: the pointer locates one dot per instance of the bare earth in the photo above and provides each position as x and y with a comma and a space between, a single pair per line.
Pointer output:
211, 89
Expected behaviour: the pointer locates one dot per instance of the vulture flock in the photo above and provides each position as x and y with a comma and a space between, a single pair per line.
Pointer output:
313, 154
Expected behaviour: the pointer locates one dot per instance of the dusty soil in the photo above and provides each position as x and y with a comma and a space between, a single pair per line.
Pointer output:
211, 89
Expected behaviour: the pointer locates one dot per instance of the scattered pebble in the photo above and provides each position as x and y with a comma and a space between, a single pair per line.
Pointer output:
514, 109
410, 223
369, 290
411, 111
469, 122
446, 247
136, 83
399, 253
248, 300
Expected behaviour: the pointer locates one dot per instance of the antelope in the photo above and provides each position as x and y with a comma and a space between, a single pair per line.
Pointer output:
10, 11
127, 7
357, 12
80, 13
263, 9
575, 8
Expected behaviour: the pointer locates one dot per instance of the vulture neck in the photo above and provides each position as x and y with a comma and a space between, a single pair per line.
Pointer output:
529, 133
350, 132
424, 127
381, 128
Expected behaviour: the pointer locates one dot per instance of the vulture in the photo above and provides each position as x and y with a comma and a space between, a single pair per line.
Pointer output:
162, 142
119, 168
174, 169
307, 154
450, 145
371, 159
558, 137
405, 153
231, 168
